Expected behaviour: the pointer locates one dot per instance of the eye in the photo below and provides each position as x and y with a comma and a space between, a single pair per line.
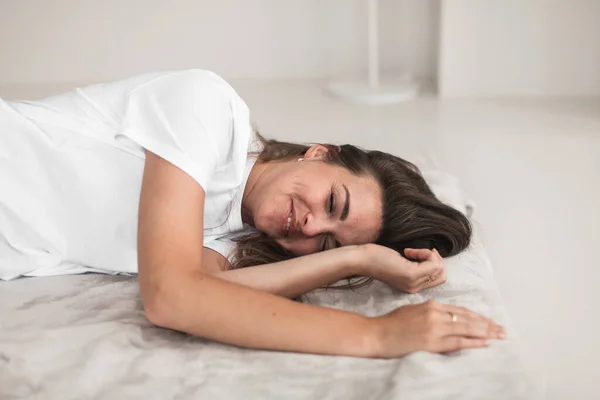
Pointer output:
331, 203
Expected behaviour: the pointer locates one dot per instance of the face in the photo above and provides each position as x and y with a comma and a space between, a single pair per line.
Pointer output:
310, 205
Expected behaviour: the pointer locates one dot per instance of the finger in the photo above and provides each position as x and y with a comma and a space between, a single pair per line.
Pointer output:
430, 274
427, 281
463, 314
466, 313
418, 254
430, 280
426, 271
435, 280
479, 329
453, 343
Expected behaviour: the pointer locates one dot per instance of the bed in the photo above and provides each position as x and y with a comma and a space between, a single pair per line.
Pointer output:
85, 337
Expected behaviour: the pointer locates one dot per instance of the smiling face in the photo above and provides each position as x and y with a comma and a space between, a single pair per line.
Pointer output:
311, 205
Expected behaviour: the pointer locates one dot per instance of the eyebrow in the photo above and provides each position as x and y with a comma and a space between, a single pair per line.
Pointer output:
346, 208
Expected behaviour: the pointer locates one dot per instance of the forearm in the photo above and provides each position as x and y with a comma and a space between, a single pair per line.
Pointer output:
297, 276
213, 308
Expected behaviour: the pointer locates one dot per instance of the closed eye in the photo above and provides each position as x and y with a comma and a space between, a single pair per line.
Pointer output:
331, 210
331, 202
328, 237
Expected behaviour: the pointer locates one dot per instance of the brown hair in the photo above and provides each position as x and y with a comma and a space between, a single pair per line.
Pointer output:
412, 216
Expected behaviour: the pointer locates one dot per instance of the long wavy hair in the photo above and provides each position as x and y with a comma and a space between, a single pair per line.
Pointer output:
412, 216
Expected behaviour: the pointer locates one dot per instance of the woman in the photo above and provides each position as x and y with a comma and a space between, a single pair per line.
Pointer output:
161, 174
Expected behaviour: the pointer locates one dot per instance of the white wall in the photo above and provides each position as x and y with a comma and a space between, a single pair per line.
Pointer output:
89, 40
516, 47
487, 48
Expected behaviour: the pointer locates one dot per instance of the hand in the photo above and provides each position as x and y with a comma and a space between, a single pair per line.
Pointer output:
432, 327
388, 266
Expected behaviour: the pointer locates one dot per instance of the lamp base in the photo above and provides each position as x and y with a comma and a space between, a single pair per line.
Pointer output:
389, 92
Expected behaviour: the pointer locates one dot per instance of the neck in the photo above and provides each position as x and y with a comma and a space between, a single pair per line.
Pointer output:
248, 199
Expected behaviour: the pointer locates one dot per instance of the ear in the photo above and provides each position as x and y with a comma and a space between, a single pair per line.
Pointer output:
316, 152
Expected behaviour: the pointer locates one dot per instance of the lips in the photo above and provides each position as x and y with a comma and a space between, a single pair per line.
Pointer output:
285, 230
293, 226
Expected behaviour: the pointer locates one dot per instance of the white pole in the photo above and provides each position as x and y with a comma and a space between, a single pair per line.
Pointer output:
373, 45
374, 92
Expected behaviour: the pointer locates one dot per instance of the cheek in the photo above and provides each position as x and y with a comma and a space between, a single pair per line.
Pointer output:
267, 214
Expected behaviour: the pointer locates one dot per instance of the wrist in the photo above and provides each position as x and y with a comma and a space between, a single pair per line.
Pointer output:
353, 260
368, 342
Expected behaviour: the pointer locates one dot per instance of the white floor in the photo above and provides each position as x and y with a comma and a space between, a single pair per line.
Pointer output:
533, 169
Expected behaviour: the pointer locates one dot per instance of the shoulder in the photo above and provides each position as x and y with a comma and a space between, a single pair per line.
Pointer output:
197, 93
188, 80
192, 118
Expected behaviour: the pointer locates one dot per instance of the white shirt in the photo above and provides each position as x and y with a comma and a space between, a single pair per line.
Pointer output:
71, 168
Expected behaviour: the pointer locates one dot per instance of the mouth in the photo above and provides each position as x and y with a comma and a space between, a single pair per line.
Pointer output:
289, 221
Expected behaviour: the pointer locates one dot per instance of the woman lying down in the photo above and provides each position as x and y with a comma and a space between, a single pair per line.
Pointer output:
162, 175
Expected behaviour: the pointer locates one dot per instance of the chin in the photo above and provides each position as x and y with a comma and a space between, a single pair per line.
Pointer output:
264, 226
281, 243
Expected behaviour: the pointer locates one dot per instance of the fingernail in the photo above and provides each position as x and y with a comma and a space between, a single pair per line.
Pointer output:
501, 335
486, 343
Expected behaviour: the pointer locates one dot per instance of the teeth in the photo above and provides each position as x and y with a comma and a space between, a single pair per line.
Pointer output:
289, 221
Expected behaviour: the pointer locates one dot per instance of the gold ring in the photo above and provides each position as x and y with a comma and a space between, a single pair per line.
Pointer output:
454, 317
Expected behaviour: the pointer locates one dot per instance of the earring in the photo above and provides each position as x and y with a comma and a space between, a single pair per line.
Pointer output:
300, 159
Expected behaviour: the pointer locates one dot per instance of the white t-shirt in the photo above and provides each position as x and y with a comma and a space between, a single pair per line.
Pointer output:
71, 168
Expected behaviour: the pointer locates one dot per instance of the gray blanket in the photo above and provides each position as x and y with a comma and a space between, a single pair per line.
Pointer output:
85, 337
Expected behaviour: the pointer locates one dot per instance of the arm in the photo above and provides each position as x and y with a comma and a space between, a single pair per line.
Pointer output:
300, 275
177, 294
289, 278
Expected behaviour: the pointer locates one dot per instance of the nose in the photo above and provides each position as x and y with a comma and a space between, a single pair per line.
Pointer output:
312, 225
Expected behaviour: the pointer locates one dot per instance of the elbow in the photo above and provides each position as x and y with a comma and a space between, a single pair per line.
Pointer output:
156, 305
165, 299
154, 314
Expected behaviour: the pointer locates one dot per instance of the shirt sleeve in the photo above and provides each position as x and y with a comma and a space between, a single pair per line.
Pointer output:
222, 245
184, 117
